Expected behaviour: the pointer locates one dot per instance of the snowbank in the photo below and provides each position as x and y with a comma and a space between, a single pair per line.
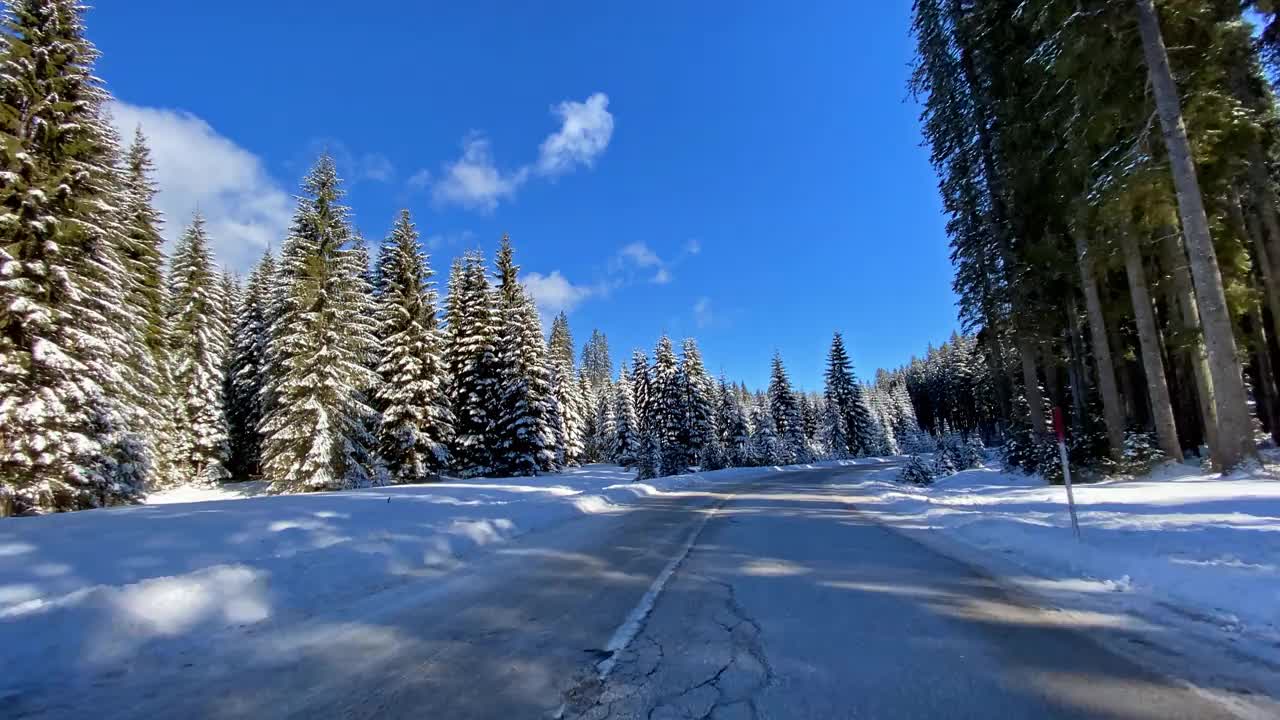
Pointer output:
82, 592
1181, 548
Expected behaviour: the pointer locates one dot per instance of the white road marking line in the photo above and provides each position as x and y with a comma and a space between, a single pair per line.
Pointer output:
630, 627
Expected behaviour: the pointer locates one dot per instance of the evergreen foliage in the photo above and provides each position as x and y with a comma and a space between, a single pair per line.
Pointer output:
316, 435
416, 424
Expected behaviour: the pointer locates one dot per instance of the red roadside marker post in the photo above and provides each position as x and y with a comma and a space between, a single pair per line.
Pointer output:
1060, 429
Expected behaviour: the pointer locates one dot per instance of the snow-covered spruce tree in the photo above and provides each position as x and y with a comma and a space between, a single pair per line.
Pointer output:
598, 441
765, 448
198, 348
471, 340
570, 407
68, 381
147, 300
606, 422
731, 422
524, 440
416, 427
849, 419
641, 377
566, 394
246, 371
321, 338
668, 410
597, 366
626, 433
785, 410
560, 345
649, 458
366, 457
699, 404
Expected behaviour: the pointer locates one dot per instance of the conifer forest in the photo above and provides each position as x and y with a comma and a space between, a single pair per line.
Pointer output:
1108, 170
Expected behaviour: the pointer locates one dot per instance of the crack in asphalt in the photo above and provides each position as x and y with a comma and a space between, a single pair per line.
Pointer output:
635, 688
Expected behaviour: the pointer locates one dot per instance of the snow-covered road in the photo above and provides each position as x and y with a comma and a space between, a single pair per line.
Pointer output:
789, 603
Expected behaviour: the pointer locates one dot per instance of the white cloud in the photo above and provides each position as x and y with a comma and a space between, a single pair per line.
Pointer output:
693, 246
640, 254
376, 166
702, 312
473, 181
197, 168
452, 239
554, 293
585, 130
420, 180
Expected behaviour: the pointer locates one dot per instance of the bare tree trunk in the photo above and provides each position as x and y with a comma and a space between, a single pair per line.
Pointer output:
1266, 375
1077, 375
1031, 381
1270, 280
1149, 342
1112, 405
1234, 427
1189, 314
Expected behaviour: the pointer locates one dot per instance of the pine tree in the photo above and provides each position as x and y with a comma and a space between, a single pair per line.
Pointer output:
597, 366
626, 444
785, 411
765, 447
699, 430
247, 372
570, 407
471, 354
668, 410
69, 379
147, 300
416, 424
640, 383
524, 440
322, 336
731, 421
849, 420
198, 349
566, 394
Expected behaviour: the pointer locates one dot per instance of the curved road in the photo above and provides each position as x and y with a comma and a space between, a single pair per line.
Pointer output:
788, 604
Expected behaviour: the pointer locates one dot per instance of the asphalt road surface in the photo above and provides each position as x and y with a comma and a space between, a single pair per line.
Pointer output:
776, 600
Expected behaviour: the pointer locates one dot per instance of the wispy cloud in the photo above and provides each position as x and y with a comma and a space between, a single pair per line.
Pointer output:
246, 209
639, 256
693, 246
474, 181
702, 312
436, 241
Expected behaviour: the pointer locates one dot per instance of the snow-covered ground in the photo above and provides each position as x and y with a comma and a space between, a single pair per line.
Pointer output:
1177, 550
81, 593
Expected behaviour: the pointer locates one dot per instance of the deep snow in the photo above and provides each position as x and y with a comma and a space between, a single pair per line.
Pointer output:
1180, 550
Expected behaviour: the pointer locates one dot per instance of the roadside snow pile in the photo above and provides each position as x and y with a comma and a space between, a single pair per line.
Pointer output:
83, 592
1202, 547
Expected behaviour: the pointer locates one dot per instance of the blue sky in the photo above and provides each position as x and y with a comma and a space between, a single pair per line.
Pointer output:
747, 173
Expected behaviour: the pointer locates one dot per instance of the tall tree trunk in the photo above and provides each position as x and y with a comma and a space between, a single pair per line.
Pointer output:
1266, 375
1031, 381
1149, 343
1247, 226
1076, 373
1189, 315
1234, 427
1112, 404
